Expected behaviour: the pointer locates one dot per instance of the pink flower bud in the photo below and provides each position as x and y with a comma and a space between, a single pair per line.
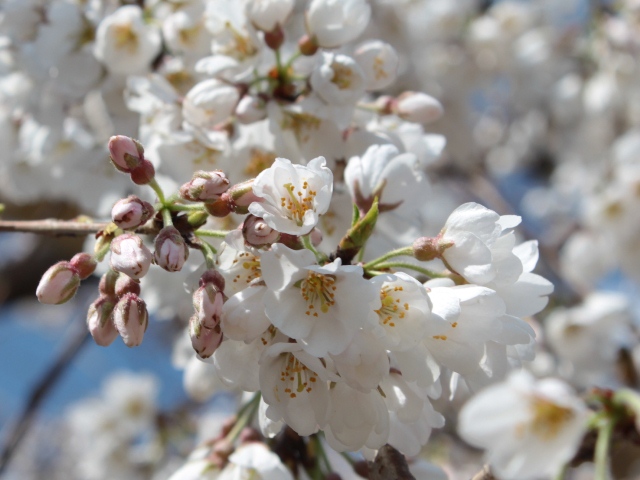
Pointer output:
126, 284
205, 186
131, 319
207, 302
107, 284
204, 340
257, 233
171, 251
417, 107
130, 256
426, 249
126, 153
214, 277
58, 284
221, 207
144, 173
84, 264
250, 109
131, 212
100, 321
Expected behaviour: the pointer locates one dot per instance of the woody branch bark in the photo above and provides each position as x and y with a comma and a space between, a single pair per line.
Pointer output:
73, 228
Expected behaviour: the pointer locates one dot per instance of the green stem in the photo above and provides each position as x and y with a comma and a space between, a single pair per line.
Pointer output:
628, 398
245, 416
601, 458
281, 72
156, 188
410, 266
306, 241
561, 473
292, 59
176, 207
322, 454
404, 251
211, 233
348, 458
166, 217
100, 254
210, 251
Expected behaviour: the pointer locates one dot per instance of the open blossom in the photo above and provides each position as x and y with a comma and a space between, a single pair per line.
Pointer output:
338, 79
293, 196
529, 428
125, 44
379, 63
208, 103
268, 14
332, 23
255, 461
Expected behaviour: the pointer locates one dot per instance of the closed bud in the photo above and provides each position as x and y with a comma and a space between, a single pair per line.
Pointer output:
207, 302
131, 212
144, 173
126, 153
242, 196
100, 321
84, 264
417, 107
257, 233
58, 284
214, 277
205, 186
171, 251
126, 284
107, 284
426, 249
131, 319
274, 38
250, 109
307, 46
221, 207
204, 340
130, 256
197, 219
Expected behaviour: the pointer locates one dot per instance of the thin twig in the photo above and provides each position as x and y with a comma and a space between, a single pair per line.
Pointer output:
73, 228
42, 389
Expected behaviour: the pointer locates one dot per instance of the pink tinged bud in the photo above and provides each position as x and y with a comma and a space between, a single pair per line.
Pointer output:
307, 45
144, 173
257, 233
417, 107
84, 264
316, 237
107, 284
131, 319
214, 277
205, 186
126, 284
100, 321
131, 212
204, 340
130, 256
126, 153
207, 302
250, 109
58, 284
221, 207
242, 196
171, 251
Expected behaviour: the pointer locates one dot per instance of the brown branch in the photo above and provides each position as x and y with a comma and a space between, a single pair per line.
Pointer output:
73, 228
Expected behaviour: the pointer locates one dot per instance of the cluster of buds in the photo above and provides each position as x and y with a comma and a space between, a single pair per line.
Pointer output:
118, 310
60, 282
204, 325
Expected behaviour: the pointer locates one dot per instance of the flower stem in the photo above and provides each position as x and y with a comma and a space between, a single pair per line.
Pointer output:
211, 233
322, 455
603, 443
245, 416
404, 251
166, 217
100, 254
156, 188
176, 207
409, 266
306, 241
292, 59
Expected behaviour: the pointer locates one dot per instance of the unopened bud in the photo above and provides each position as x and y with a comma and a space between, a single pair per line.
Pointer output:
130, 256
107, 284
131, 212
204, 340
417, 107
257, 233
144, 173
425, 249
242, 196
384, 104
126, 284
126, 153
197, 219
214, 277
250, 109
221, 207
275, 38
205, 186
131, 319
84, 264
307, 46
100, 321
207, 302
171, 251
58, 284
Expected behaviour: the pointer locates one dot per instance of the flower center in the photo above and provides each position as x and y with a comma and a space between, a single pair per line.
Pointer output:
298, 202
125, 37
342, 76
318, 291
296, 377
548, 418
250, 265
391, 310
